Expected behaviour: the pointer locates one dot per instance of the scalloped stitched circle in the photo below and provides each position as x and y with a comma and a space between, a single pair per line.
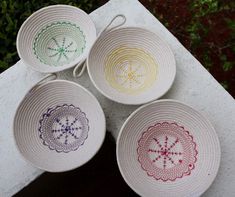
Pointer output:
63, 128
59, 43
166, 151
130, 70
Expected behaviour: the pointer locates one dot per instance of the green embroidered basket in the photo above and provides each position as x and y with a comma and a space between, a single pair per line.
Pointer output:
55, 38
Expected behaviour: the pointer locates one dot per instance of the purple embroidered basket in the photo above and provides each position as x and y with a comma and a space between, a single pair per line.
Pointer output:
59, 126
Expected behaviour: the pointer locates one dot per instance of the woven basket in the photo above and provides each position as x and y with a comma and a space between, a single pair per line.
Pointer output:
131, 65
166, 148
55, 38
59, 126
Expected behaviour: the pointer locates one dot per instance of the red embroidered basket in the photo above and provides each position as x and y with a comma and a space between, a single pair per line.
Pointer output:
166, 148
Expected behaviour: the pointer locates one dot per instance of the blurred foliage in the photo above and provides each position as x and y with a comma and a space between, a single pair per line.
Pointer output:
205, 7
12, 15
203, 10
224, 84
207, 29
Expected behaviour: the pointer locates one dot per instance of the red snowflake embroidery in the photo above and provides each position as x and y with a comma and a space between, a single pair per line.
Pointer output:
167, 151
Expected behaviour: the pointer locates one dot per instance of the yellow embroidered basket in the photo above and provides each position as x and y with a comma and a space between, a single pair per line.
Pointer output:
131, 65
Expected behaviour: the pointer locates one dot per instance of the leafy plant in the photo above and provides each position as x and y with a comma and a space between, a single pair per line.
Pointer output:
224, 84
207, 60
205, 7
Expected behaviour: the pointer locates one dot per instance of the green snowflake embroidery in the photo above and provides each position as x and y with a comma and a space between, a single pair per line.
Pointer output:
59, 43
61, 50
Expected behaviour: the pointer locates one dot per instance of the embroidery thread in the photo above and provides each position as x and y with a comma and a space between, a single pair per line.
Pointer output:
130, 70
63, 128
166, 151
59, 43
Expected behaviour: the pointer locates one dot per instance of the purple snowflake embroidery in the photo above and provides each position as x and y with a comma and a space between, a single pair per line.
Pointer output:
63, 128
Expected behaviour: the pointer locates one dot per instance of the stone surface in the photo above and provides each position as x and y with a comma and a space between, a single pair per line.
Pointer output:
193, 85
